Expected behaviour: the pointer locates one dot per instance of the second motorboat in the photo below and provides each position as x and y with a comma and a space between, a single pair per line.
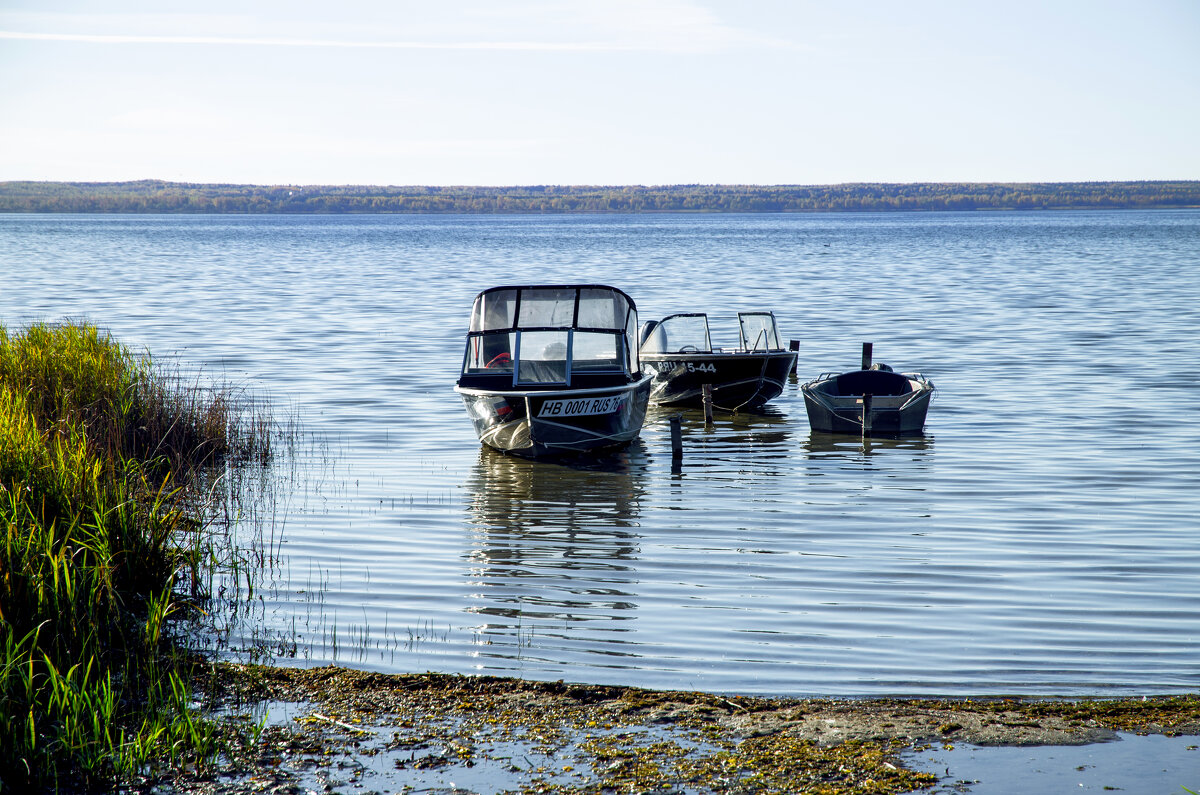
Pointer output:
679, 353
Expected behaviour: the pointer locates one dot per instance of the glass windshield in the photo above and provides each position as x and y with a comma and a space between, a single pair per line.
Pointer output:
758, 331
490, 353
541, 335
594, 351
601, 309
632, 363
542, 357
547, 308
679, 334
495, 310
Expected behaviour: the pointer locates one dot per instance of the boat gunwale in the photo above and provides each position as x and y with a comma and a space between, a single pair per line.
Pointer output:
878, 402
556, 390
825, 377
739, 354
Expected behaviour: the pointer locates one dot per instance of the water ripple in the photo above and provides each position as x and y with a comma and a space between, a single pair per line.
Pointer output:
1039, 540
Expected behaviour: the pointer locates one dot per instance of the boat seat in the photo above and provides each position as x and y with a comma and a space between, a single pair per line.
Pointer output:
872, 382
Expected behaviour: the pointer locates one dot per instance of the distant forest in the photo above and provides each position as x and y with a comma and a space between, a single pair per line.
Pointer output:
154, 196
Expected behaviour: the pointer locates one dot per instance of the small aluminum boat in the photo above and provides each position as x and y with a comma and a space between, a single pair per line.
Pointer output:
553, 369
678, 352
872, 401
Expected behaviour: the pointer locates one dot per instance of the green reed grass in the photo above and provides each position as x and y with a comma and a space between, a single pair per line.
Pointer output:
103, 462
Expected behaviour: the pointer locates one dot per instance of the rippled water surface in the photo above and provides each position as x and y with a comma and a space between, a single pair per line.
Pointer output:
1042, 538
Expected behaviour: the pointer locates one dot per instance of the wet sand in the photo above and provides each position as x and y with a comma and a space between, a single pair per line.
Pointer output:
340, 730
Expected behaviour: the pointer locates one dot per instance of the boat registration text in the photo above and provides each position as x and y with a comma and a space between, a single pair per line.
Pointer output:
581, 407
691, 367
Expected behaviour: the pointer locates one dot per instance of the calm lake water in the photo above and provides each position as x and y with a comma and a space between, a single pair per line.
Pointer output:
1043, 538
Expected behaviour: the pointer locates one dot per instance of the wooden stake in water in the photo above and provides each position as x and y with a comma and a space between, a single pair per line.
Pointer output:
676, 439
794, 346
706, 391
866, 399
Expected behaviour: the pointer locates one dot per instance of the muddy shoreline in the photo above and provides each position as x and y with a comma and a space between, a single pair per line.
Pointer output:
341, 730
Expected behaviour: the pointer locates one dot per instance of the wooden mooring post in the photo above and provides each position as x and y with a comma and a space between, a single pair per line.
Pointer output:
794, 346
866, 415
866, 358
676, 439
706, 393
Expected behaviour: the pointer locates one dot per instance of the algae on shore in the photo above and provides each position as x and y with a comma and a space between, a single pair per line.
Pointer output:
364, 731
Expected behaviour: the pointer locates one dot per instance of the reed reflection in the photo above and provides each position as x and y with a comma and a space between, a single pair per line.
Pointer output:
553, 549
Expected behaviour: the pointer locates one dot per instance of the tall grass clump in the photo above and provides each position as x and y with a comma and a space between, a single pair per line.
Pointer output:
103, 461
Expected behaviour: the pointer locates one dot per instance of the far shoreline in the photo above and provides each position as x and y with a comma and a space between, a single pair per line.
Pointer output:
186, 198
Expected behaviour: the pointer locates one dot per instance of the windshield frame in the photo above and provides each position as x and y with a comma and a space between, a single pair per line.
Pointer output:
505, 322
768, 332
658, 342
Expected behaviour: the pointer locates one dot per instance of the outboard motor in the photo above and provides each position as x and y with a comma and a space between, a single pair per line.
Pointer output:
647, 329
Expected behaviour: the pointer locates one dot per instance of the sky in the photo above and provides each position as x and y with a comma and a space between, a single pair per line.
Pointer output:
599, 92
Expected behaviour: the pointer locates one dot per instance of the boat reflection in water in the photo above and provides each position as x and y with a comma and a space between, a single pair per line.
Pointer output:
908, 459
878, 481
763, 440
554, 547
819, 444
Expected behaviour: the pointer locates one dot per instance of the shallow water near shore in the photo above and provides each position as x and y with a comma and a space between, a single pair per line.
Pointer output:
1041, 539
1132, 763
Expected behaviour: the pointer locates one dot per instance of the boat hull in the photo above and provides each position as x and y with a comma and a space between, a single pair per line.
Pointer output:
903, 414
739, 380
549, 423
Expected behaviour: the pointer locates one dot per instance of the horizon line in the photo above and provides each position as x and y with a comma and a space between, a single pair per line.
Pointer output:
597, 184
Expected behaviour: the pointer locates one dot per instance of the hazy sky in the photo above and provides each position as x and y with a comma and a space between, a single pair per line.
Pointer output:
599, 91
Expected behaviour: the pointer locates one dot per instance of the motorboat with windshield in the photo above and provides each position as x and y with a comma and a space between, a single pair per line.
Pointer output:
678, 352
553, 369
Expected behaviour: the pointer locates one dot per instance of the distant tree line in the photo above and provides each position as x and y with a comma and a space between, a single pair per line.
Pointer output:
155, 196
